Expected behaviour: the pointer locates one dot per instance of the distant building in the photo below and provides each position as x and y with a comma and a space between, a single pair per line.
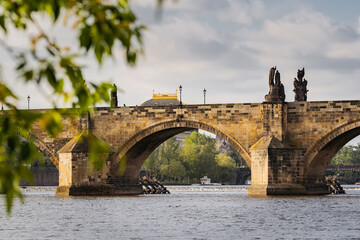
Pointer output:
181, 136
159, 99
168, 99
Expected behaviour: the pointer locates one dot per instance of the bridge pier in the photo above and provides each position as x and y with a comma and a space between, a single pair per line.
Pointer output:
278, 169
78, 178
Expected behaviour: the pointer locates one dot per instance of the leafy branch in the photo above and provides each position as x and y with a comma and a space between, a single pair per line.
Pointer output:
101, 26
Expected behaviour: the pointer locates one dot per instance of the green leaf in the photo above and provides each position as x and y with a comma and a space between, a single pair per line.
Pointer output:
123, 3
2, 22
83, 96
131, 57
85, 37
21, 66
99, 51
51, 122
26, 174
6, 125
56, 9
60, 86
99, 151
50, 74
12, 142
50, 51
5, 92
27, 118
28, 75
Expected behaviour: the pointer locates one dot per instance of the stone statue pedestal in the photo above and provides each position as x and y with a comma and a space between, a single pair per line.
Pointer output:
275, 95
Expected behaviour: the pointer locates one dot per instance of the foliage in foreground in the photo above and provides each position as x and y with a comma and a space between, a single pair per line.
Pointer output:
100, 26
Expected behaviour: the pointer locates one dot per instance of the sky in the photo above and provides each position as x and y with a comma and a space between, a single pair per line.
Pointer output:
226, 47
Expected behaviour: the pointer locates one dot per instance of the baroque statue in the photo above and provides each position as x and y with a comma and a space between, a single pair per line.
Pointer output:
113, 96
276, 88
300, 86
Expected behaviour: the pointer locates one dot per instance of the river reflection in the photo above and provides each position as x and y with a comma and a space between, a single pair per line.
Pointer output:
187, 213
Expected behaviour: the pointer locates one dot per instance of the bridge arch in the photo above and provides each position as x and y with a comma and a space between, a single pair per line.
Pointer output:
44, 149
319, 156
143, 143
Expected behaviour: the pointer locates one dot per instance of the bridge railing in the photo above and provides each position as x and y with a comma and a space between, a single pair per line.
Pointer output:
353, 168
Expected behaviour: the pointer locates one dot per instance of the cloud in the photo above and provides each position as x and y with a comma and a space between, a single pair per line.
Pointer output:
241, 12
228, 48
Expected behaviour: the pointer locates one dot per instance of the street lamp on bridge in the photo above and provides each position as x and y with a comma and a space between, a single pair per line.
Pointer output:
180, 89
204, 91
28, 98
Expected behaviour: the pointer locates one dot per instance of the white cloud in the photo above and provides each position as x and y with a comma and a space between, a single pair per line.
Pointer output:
340, 50
228, 48
241, 12
191, 50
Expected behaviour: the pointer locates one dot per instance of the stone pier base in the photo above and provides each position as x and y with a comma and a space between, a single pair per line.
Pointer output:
262, 190
278, 169
99, 190
316, 189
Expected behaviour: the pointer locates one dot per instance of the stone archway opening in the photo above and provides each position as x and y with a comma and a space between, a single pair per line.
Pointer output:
193, 155
321, 155
128, 161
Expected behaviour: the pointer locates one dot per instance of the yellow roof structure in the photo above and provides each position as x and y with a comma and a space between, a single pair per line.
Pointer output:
164, 95
162, 99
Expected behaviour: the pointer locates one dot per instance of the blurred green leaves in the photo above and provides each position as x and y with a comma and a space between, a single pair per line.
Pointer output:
16, 153
99, 151
101, 26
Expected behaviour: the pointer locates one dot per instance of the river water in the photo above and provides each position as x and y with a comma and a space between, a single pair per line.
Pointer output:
193, 212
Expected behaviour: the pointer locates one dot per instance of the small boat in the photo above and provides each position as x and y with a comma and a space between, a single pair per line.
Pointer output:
205, 181
357, 183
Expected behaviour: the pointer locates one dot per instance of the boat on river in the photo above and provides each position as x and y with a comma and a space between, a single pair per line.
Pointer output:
207, 181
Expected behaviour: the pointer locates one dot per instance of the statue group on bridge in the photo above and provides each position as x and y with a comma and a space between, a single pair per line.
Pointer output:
113, 96
276, 88
300, 86
276, 92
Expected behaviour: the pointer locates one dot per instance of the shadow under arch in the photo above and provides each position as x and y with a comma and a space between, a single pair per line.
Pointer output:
319, 156
136, 150
44, 149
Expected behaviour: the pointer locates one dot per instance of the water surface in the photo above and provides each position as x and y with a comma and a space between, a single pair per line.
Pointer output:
223, 212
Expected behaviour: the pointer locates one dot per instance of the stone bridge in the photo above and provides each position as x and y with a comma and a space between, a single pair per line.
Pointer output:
287, 145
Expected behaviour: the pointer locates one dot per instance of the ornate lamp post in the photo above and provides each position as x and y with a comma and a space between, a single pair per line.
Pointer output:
204, 91
180, 89
28, 98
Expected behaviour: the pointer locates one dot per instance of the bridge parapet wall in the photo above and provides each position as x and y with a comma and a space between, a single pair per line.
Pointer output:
308, 122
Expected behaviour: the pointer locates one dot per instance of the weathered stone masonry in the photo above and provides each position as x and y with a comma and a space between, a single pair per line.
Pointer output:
287, 145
